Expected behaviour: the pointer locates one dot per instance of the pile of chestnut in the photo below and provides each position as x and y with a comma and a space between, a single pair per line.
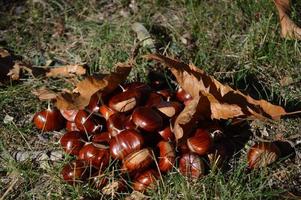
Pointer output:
131, 127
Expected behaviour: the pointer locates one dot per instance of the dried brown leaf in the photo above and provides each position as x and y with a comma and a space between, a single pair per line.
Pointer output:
44, 94
211, 99
14, 72
66, 71
288, 28
81, 95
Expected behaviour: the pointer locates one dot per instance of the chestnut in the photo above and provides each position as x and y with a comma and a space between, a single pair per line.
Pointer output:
84, 122
97, 157
128, 123
169, 108
200, 143
71, 126
183, 96
167, 134
157, 80
69, 115
105, 111
166, 94
262, 154
167, 156
137, 161
145, 180
101, 138
72, 142
115, 123
49, 120
153, 99
93, 105
126, 142
142, 87
75, 172
191, 165
147, 119
125, 101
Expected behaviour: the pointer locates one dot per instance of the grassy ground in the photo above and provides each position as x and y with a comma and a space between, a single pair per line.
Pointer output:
236, 41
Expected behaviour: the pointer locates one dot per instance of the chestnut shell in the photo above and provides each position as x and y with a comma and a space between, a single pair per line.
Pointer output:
147, 119
49, 120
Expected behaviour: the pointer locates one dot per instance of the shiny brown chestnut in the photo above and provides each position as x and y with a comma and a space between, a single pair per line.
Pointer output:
167, 134
145, 180
157, 80
85, 123
191, 165
138, 161
262, 154
94, 103
167, 94
125, 101
49, 120
142, 87
200, 143
183, 96
128, 123
125, 143
97, 157
72, 142
169, 108
147, 119
214, 129
101, 138
75, 172
69, 115
105, 111
153, 99
115, 123
167, 156
71, 126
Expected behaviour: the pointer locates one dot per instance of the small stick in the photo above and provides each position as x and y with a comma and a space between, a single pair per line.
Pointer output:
12, 184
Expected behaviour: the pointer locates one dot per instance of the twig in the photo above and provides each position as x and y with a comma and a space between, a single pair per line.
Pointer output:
12, 184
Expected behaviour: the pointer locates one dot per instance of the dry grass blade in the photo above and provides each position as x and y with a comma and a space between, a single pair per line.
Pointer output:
288, 28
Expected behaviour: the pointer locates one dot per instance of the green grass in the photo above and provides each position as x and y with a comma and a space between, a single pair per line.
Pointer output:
238, 42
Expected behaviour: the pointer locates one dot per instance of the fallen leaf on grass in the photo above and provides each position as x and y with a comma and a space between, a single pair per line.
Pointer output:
66, 71
81, 95
44, 94
15, 72
13, 69
211, 99
288, 28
